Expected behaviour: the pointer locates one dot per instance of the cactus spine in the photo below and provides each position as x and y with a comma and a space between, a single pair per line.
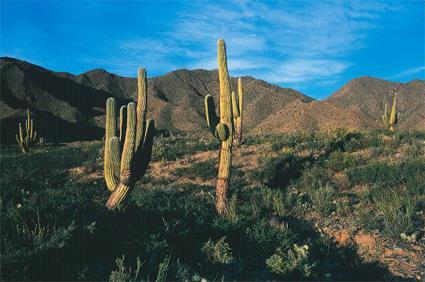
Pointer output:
390, 120
127, 157
28, 137
222, 128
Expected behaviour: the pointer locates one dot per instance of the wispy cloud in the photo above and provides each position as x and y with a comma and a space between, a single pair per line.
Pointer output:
283, 42
418, 71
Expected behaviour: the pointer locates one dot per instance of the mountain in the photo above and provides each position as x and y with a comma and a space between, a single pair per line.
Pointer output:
368, 95
314, 116
69, 107
359, 104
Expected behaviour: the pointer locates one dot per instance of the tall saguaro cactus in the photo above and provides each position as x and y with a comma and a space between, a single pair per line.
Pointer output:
222, 128
390, 120
237, 108
127, 157
28, 137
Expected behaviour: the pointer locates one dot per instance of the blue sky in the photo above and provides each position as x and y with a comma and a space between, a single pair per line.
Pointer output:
312, 46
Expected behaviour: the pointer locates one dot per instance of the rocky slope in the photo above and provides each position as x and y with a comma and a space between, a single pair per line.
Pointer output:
69, 107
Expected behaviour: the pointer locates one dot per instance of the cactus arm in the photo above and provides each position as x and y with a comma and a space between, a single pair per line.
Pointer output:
141, 106
123, 123
143, 156
235, 107
128, 150
21, 133
28, 123
210, 115
385, 116
111, 120
112, 159
225, 156
31, 129
393, 115
110, 129
239, 121
240, 96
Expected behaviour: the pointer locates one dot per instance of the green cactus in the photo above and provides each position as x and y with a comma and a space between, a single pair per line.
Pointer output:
28, 137
127, 157
237, 107
222, 128
390, 120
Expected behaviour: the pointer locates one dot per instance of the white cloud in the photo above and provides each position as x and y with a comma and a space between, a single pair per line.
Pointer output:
281, 42
419, 71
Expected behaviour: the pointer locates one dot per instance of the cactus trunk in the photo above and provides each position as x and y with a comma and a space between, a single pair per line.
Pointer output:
225, 156
222, 127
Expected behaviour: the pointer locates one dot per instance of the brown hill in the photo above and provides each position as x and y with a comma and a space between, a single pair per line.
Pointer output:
71, 107
369, 96
315, 115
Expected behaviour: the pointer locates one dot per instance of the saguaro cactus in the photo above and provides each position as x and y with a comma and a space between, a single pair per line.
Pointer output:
28, 137
127, 157
390, 120
237, 108
222, 128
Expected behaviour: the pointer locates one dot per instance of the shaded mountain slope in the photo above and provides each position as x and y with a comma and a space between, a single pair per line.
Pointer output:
71, 107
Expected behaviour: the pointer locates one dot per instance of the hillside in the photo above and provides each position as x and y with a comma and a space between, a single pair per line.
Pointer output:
71, 107
314, 116
68, 107
369, 96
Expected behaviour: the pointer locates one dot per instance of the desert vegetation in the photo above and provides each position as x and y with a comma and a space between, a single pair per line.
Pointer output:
343, 205
313, 205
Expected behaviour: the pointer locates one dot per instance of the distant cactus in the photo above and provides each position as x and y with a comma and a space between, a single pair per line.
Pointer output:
28, 137
390, 120
127, 157
222, 128
237, 108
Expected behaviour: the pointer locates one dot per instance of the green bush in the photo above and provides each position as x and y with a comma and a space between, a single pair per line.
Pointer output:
284, 261
218, 252
322, 197
280, 171
206, 170
398, 211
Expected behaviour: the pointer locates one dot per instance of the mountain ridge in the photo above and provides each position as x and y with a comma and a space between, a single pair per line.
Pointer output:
70, 107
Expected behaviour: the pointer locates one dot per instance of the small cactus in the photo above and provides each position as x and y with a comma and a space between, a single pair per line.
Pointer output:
127, 157
390, 120
222, 128
28, 137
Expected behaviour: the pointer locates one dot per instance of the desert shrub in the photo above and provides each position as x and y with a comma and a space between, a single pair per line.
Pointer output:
172, 148
218, 252
313, 178
322, 197
409, 173
206, 170
274, 200
415, 149
339, 161
280, 171
286, 260
124, 274
398, 210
